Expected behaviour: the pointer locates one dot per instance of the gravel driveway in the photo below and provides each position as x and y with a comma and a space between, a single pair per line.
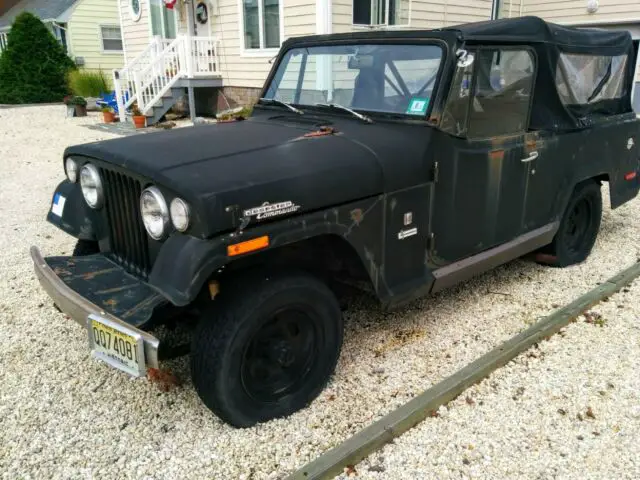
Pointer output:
567, 409
65, 415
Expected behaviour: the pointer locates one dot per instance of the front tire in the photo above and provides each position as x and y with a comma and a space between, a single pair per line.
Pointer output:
85, 247
266, 347
578, 229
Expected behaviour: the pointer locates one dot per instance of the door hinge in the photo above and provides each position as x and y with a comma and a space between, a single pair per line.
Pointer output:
435, 172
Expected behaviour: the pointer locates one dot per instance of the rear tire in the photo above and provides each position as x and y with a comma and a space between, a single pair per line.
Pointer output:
266, 347
85, 247
578, 229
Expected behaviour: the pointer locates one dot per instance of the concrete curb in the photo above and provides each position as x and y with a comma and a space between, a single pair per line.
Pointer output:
395, 423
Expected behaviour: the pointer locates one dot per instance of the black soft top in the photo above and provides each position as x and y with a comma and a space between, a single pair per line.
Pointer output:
536, 30
509, 30
554, 46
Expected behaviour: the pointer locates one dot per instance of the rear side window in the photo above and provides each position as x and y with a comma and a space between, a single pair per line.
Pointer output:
492, 96
586, 79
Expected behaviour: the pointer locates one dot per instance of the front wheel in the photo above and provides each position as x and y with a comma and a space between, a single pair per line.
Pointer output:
266, 347
578, 229
85, 247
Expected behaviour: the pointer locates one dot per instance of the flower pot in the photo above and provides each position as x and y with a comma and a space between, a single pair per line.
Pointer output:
81, 110
139, 121
109, 117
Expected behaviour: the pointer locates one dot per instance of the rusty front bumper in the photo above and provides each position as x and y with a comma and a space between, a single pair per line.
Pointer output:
79, 308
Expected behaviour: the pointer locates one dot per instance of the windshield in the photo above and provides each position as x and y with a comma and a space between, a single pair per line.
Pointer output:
394, 78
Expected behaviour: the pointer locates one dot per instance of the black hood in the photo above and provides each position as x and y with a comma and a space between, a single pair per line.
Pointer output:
245, 164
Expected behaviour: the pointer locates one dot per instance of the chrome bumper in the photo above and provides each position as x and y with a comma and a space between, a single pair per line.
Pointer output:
79, 308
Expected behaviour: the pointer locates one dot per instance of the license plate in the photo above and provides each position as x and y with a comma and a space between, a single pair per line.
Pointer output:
116, 345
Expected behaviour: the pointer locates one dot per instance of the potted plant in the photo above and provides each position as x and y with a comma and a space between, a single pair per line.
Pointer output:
108, 114
71, 109
139, 120
79, 105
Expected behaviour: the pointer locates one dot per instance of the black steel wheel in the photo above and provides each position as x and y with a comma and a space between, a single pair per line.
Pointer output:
85, 247
578, 229
266, 347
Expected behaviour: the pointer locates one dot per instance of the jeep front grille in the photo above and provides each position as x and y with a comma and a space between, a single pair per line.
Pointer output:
127, 235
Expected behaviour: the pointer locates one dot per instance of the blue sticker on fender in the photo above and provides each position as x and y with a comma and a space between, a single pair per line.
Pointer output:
418, 106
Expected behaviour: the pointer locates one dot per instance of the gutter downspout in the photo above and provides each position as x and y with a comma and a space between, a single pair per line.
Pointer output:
495, 9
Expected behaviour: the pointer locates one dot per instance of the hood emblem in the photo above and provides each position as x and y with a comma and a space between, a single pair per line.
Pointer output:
268, 210
630, 143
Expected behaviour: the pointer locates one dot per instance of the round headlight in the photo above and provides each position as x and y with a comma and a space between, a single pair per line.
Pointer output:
180, 214
154, 211
71, 167
91, 186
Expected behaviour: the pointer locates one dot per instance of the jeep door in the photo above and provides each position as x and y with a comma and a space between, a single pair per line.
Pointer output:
482, 161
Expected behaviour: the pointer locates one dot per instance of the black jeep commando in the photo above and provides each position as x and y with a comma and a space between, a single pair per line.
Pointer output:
403, 161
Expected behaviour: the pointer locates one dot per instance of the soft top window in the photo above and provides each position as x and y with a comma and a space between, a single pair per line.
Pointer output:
587, 79
395, 78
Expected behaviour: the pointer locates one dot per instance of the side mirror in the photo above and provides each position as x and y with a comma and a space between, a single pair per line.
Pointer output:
465, 59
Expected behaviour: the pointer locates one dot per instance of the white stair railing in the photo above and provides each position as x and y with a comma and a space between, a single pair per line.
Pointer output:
163, 72
152, 73
204, 51
123, 79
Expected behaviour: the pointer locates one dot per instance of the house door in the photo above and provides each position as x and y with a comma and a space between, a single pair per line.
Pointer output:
203, 46
163, 20
201, 21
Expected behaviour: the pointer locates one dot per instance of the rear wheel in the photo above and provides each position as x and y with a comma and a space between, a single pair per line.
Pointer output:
578, 229
266, 347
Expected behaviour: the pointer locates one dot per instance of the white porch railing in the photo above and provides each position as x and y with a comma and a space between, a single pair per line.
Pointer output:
152, 73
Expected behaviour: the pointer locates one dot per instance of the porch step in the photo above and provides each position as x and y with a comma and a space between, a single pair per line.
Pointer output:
167, 101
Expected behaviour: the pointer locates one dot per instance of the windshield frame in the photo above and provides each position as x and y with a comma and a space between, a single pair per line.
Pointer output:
377, 114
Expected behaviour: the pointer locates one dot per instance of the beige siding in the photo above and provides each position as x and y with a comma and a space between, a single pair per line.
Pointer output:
84, 34
575, 11
510, 8
136, 35
424, 13
244, 69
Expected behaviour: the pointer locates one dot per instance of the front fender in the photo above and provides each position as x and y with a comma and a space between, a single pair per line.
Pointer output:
76, 217
185, 263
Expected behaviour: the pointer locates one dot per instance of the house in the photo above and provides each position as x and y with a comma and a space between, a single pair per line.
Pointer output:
605, 14
89, 30
220, 51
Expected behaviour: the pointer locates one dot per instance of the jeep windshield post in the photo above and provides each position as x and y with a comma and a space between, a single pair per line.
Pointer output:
489, 141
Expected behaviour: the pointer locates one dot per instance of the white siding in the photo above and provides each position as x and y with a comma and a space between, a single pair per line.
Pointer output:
136, 35
424, 13
575, 11
244, 69
510, 8
84, 38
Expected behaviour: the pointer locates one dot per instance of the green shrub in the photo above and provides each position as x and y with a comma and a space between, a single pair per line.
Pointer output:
33, 67
87, 83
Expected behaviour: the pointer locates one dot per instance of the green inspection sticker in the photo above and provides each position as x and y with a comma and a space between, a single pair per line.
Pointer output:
418, 106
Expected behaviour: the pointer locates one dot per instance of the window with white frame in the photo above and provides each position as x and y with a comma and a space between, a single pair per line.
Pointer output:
381, 12
111, 38
261, 26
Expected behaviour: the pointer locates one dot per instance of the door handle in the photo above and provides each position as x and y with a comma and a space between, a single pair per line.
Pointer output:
532, 156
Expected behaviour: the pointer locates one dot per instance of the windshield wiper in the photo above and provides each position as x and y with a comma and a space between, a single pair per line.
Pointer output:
337, 106
284, 104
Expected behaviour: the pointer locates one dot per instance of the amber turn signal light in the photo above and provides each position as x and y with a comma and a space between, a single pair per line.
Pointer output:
248, 246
